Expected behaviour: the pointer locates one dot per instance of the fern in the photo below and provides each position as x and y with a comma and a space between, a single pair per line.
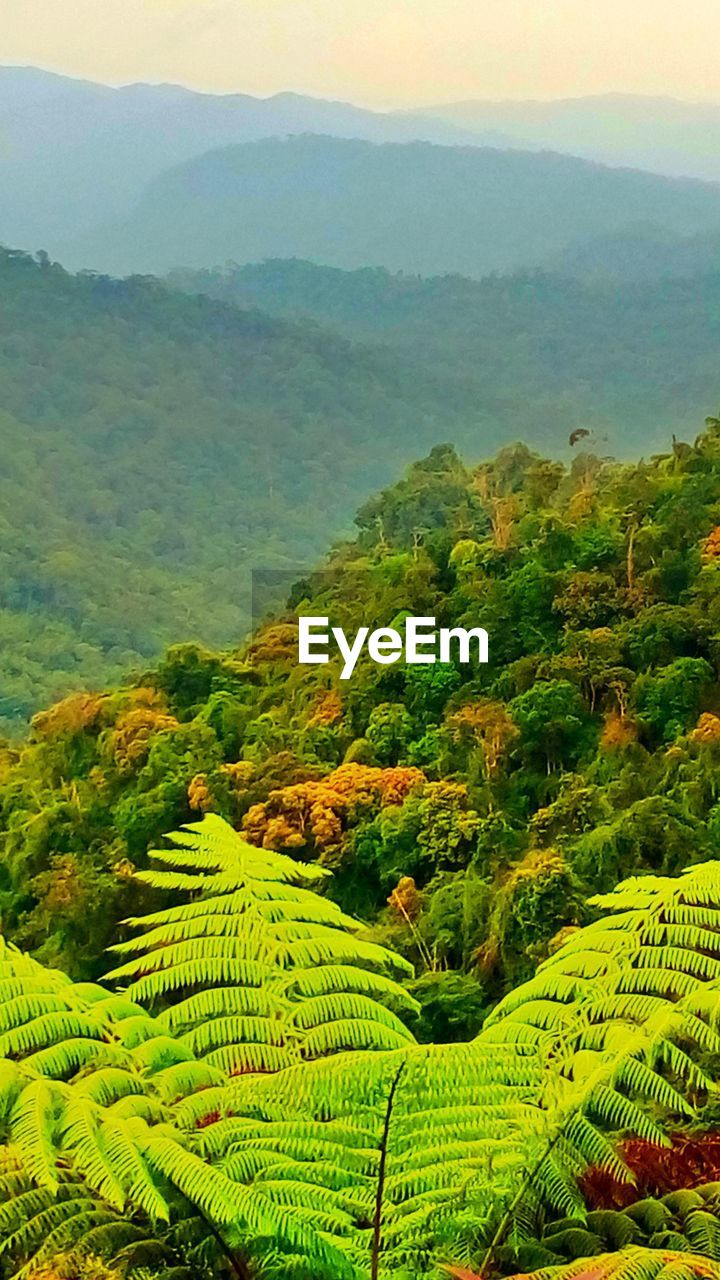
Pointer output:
257, 971
380, 1151
629, 1006
277, 1106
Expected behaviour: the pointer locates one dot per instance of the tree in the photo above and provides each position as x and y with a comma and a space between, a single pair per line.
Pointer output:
552, 721
669, 701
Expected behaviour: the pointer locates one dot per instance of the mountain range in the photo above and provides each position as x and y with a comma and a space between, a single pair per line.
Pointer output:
159, 447
159, 444
150, 177
74, 153
413, 207
163, 438
539, 354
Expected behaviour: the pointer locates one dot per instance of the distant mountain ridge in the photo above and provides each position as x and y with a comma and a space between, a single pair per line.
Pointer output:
74, 153
121, 179
663, 135
155, 448
415, 207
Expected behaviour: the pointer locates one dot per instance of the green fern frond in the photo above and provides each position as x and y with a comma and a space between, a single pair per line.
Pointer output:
257, 970
33, 1123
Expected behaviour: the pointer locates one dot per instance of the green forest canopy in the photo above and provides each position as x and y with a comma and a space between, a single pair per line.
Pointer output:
411, 207
157, 448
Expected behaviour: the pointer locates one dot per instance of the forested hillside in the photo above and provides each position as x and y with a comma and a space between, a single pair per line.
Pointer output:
412, 207
380, 1010
583, 752
157, 448
643, 253
634, 362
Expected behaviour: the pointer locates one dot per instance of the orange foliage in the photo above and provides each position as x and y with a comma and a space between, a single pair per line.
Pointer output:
707, 730
240, 773
275, 643
486, 724
328, 709
618, 731
74, 714
199, 794
316, 814
711, 545
405, 899
133, 733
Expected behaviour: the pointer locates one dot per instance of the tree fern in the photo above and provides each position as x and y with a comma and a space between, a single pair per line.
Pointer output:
80, 1099
38, 1225
363, 1163
380, 1151
256, 970
629, 1006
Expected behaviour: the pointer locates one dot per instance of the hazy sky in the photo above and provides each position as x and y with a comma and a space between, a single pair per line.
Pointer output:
382, 52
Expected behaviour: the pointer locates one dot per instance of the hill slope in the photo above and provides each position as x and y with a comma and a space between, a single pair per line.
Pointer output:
634, 362
644, 253
584, 751
155, 448
416, 208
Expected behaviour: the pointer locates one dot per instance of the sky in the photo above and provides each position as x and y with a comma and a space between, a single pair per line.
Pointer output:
380, 53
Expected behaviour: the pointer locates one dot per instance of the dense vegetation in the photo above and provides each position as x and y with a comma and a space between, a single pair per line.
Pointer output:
411, 975
399, 1021
542, 349
408, 207
500, 796
157, 448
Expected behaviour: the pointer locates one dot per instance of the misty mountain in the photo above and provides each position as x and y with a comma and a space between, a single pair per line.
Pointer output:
74, 153
542, 353
413, 208
660, 134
